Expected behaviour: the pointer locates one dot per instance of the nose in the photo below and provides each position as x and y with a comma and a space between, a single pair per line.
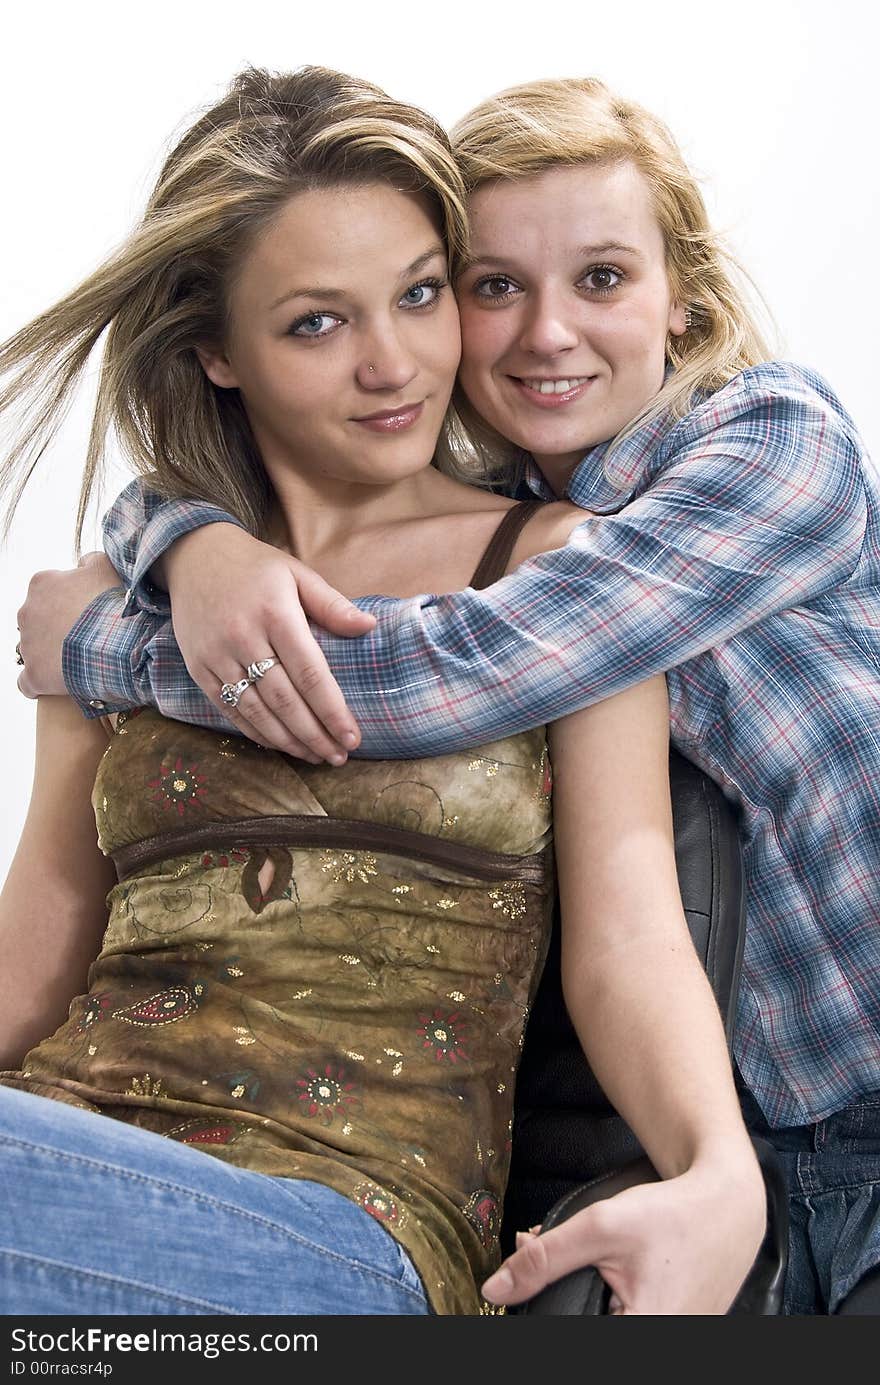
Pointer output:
548, 326
387, 362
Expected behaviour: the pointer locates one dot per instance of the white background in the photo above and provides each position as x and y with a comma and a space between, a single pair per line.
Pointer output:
774, 104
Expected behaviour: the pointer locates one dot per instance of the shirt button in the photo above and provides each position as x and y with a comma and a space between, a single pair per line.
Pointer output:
96, 704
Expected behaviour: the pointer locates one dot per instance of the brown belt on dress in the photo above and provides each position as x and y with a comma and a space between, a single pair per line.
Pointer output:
309, 830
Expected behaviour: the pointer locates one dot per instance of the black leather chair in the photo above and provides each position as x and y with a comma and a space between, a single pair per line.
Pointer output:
569, 1145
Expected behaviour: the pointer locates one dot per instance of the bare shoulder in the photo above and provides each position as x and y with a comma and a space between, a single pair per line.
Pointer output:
549, 528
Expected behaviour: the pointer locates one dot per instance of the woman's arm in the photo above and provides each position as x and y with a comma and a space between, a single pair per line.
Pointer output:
52, 906
752, 504
645, 1014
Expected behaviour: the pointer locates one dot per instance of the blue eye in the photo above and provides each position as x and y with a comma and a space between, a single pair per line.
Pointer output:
424, 294
314, 325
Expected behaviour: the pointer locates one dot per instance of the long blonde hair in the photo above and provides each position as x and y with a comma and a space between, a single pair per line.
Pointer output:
164, 292
547, 124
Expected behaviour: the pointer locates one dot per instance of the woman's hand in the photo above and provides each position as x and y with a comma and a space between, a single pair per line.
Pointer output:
236, 601
683, 1246
54, 603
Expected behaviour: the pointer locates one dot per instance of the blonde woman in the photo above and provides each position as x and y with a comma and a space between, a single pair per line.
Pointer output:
732, 544
304, 1015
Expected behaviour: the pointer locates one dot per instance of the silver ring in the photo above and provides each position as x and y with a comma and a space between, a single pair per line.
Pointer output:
256, 671
231, 692
20, 660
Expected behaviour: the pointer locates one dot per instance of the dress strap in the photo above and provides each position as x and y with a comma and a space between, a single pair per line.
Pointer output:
493, 563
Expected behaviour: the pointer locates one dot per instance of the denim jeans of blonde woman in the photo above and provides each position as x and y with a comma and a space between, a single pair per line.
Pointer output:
97, 1217
833, 1172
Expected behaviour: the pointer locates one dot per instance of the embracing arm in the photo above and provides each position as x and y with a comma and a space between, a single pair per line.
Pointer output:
756, 503
648, 1022
53, 910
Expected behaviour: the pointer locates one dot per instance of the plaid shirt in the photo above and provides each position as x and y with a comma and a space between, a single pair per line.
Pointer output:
738, 551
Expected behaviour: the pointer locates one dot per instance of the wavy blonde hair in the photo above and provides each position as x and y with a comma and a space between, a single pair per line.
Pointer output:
543, 125
164, 292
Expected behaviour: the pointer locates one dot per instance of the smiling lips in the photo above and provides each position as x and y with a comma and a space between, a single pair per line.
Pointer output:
551, 394
392, 420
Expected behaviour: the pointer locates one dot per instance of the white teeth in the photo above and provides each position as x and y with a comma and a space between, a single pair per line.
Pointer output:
555, 386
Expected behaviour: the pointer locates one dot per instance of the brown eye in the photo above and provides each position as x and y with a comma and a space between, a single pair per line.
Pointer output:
602, 279
495, 287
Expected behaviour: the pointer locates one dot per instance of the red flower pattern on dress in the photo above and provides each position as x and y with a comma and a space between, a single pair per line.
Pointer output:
328, 1094
484, 1215
177, 786
380, 1204
445, 1034
237, 856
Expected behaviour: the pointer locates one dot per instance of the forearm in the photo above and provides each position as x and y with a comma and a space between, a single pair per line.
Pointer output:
634, 987
648, 1022
139, 528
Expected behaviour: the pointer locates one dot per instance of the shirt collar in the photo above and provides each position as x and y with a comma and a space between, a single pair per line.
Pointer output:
605, 479
611, 473
536, 480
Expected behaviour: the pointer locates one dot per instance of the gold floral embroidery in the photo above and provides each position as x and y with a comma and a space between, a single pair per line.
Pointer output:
510, 898
349, 866
144, 1086
490, 766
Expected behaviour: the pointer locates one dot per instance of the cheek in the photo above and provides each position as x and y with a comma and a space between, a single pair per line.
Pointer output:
636, 338
485, 337
287, 388
447, 353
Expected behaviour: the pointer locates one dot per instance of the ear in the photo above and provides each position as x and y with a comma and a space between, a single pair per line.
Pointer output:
678, 319
217, 367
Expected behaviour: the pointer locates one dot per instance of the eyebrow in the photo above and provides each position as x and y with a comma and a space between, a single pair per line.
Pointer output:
586, 252
320, 291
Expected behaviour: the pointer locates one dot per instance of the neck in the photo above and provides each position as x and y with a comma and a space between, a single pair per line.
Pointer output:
558, 471
316, 516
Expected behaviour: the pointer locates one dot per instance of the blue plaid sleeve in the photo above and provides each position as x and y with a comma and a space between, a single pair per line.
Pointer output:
112, 661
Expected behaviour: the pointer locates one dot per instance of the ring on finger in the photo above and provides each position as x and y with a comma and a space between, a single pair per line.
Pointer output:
230, 693
256, 670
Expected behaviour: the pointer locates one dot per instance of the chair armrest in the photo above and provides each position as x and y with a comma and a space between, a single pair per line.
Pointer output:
584, 1291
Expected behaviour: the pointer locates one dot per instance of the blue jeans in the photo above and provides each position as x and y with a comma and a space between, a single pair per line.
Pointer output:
98, 1217
833, 1174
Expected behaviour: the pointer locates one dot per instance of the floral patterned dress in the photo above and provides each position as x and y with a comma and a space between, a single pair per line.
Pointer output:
321, 973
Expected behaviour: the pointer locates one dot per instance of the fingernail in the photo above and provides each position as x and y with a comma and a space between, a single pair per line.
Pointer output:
501, 1282
350, 738
339, 759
